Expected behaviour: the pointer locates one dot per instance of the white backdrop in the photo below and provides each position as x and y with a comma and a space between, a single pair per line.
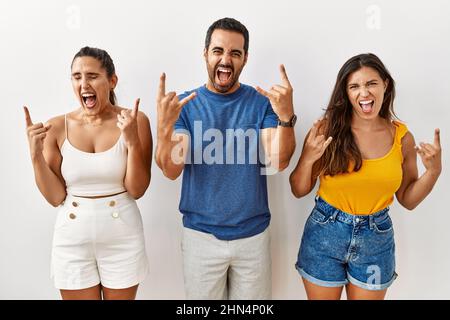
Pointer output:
312, 38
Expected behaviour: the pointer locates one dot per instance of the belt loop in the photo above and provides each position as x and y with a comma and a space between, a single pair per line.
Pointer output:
316, 198
334, 215
371, 222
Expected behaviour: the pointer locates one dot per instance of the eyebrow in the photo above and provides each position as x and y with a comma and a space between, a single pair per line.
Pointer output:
88, 73
232, 51
355, 84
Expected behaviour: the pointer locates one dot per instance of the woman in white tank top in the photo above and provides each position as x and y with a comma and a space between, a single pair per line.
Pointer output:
93, 163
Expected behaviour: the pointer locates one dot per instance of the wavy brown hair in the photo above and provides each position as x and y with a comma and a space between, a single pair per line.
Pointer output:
343, 149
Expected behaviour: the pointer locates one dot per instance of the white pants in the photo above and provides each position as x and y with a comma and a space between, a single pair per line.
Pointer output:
218, 269
98, 241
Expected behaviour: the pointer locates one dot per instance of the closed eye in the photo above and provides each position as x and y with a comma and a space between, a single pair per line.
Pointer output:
217, 50
236, 53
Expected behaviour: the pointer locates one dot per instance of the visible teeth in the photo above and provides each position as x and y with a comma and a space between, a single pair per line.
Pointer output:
87, 95
366, 102
224, 70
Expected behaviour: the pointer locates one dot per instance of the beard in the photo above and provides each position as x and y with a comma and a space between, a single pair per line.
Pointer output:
225, 85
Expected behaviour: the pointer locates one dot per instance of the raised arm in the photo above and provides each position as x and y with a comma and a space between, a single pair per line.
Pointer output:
413, 189
46, 159
303, 178
171, 147
135, 128
279, 143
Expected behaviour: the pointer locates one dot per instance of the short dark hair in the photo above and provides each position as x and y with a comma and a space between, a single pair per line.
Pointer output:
229, 24
106, 62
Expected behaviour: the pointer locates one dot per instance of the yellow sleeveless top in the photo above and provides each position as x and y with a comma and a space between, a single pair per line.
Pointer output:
370, 189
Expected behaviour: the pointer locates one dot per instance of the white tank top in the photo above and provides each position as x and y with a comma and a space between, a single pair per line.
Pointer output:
93, 174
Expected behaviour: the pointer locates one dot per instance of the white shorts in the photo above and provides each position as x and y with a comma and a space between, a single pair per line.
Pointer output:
98, 241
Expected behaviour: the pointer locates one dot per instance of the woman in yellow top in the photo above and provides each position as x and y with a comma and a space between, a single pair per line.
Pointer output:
362, 157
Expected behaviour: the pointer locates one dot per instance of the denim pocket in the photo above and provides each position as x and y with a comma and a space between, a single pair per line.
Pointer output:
383, 224
319, 217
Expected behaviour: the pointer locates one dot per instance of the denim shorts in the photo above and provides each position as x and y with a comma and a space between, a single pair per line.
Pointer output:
338, 248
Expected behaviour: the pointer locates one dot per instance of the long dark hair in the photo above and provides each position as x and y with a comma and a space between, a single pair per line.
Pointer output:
343, 149
106, 62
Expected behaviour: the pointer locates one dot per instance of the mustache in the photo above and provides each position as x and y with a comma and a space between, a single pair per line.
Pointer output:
229, 66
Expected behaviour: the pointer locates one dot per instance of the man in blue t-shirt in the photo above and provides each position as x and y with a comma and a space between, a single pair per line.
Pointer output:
227, 137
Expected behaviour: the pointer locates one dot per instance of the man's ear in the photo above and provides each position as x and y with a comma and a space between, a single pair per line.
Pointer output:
205, 53
245, 58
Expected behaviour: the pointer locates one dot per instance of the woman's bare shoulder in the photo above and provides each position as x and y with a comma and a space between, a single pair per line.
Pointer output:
58, 126
57, 121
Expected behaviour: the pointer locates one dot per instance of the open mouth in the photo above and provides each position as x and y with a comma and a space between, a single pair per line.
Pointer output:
89, 99
224, 75
366, 105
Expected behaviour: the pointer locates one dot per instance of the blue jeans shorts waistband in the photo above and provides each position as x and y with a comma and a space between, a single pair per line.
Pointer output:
353, 219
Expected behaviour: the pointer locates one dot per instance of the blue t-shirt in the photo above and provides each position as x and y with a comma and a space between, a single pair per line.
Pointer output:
223, 191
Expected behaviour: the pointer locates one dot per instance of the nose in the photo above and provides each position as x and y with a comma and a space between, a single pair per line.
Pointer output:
364, 92
226, 59
84, 83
